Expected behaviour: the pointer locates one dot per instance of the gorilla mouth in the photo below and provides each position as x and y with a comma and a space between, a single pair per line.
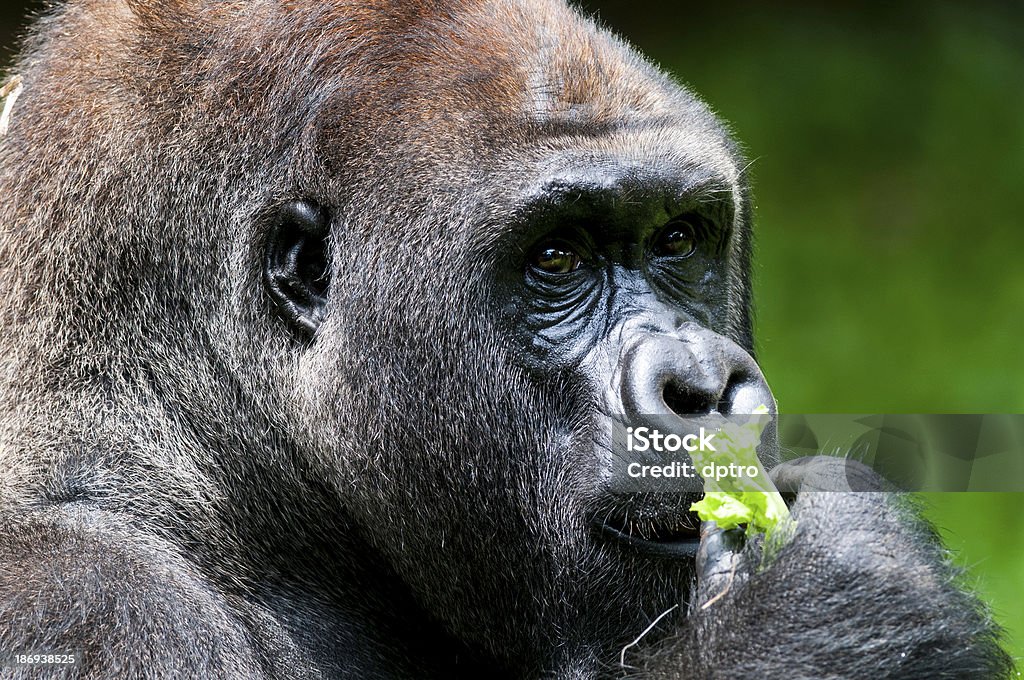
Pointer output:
670, 536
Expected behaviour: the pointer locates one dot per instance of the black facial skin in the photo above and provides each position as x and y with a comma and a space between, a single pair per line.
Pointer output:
622, 286
314, 315
625, 271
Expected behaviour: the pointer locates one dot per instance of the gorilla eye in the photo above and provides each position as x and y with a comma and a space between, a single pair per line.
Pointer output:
677, 239
555, 258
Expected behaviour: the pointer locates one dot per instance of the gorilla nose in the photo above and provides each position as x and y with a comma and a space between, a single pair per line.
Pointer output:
692, 372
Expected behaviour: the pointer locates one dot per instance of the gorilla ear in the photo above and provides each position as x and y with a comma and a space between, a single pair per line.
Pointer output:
296, 267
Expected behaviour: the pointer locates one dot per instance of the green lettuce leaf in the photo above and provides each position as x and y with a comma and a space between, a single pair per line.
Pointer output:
750, 501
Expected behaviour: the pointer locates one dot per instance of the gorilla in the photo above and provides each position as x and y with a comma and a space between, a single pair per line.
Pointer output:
313, 315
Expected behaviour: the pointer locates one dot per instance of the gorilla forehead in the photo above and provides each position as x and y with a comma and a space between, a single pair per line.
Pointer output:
437, 79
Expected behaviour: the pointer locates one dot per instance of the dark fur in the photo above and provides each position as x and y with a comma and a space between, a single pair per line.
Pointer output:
191, 490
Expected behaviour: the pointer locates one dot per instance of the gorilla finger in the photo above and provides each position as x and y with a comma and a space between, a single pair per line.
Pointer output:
825, 473
720, 562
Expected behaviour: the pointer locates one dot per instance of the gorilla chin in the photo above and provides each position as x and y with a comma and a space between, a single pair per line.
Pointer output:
313, 316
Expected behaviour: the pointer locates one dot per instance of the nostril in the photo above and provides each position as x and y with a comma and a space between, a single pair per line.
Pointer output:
685, 399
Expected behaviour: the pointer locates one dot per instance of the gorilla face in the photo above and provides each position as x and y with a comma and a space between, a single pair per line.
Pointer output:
506, 254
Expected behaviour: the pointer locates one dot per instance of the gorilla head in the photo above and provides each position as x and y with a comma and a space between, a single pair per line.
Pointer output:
498, 229
302, 272
342, 294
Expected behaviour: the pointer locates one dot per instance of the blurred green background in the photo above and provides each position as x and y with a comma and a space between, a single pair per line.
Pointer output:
887, 143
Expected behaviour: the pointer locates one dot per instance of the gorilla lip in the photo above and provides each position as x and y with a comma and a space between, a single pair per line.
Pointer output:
675, 538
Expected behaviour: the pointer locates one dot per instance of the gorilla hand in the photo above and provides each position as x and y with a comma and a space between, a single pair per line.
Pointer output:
856, 586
